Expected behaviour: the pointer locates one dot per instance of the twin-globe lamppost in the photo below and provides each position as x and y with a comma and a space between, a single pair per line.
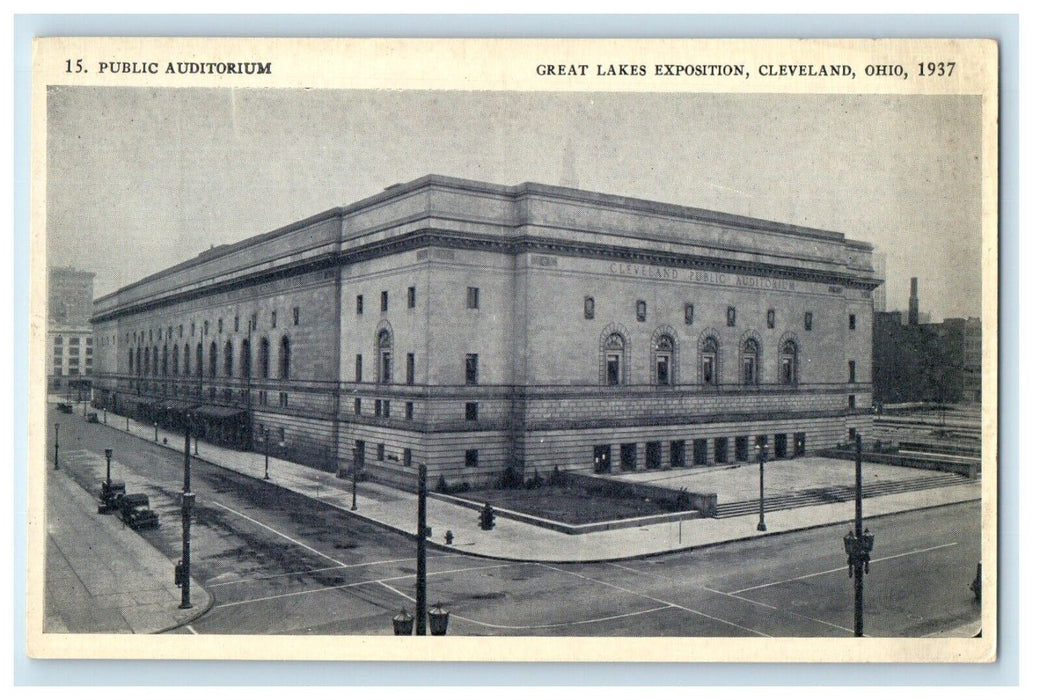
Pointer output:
858, 544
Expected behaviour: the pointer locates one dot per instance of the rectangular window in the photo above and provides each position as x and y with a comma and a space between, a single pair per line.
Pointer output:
357, 407
252, 323
283, 399
731, 316
236, 324
192, 332
471, 459
471, 410
274, 319
852, 371
852, 402
220, 325
74, 341
384, 367
688, 314
473, 297
852, 322
771, 318
357, 368
205, 328
384, 301
590, 308
472, 367
808, 320
741, 446
360, 304
409, 410
409, 369
411, 297
406, 456
377, 408
296, 315
380, 452
386, 408
180, 331
640, 310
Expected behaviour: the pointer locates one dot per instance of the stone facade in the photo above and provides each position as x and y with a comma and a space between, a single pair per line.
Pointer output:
476, 327
69, 337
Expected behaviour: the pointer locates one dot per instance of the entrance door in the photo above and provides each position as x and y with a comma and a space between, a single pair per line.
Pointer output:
359, 456
700, 452
653, 455
780, 444
799, 444
601, 459
628, 456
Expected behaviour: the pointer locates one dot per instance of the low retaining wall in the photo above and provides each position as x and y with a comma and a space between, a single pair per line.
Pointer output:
568, 528
704, 503
967, 467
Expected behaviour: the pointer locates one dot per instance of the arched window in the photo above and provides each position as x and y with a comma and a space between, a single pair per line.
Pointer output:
614, 357
386, 354
246, 359
664, 354
749, 361
176, 368
165, 359
265, 358
710, 360
139, 369
187, 360
229, 359
131, 360
199, 363
789, 363
155, 360
285, 359
213, 358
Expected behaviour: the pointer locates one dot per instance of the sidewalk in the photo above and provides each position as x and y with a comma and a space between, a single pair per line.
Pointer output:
102, 577
513, 540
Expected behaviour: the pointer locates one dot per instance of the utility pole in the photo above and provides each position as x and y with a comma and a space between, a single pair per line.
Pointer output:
420, 562
187, 501
858, 544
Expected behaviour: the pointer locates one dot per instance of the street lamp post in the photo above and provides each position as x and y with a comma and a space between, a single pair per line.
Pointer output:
267, 456
858, 544
420, 560
187, 501
155, 424
761, 487
108, 466
56, 426
353, 500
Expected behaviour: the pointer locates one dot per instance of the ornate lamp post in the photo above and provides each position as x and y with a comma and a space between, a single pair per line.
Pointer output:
858, 544
108, 466
155, 424
761, 487
183, 573
353, 499
420, 560
56, 426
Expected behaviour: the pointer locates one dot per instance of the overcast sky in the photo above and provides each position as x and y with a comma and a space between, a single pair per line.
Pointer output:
140, 179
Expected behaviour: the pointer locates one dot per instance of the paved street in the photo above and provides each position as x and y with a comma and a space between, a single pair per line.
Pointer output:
278, 562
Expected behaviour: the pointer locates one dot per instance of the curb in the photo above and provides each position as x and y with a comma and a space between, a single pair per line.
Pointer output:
499, 557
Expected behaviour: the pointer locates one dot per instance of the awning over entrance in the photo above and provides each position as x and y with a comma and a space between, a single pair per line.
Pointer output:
222, 412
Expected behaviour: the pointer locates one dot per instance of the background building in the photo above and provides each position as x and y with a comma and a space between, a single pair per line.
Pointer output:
69, 336
479, 327
918, 361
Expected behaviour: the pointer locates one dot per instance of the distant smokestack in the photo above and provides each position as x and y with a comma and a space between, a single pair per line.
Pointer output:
912, 316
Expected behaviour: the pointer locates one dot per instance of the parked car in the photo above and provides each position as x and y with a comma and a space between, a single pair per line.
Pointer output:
134, 511
111, 494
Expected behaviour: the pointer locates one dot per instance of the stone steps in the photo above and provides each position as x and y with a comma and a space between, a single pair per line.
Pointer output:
837, 494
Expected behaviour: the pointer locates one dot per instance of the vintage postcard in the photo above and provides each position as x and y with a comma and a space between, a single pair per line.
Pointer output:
525, 350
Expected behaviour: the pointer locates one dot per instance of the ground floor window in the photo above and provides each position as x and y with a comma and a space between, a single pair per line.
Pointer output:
780, 444
799, 444
601, 459
472, 459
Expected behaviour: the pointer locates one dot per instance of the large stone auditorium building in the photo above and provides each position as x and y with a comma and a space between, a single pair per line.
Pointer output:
477, 327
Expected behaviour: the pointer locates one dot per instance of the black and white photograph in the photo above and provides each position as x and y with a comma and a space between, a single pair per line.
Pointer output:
665, 365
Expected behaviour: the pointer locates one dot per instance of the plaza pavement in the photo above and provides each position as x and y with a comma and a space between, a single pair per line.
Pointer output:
516, 541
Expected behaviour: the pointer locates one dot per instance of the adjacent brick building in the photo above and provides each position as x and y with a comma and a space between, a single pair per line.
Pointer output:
477, 327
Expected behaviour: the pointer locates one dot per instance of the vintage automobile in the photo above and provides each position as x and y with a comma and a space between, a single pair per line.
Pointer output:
111, 493
134, 511
65, 408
